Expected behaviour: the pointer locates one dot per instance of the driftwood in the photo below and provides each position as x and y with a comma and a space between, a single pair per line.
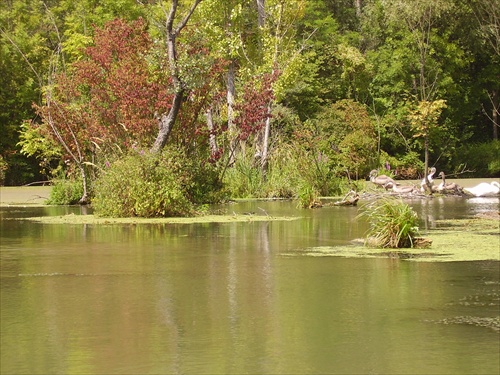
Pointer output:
351, 199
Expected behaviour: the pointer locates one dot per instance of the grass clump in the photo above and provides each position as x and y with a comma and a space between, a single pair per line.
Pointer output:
393, 224
292, 172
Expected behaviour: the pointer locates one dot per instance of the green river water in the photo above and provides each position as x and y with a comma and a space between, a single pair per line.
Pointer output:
242, 297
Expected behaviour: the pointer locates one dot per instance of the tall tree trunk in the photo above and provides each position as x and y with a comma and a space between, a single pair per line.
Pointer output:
426, 164
494, 115
265, 143
211, 135
261, 12
358, 6
85, 196
231, 93
264, 154
166, 121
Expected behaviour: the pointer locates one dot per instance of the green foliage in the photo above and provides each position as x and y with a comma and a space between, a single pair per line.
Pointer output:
283, 173
424, 118
315, 175
165, 184
393, 223
294, 172
35, 143
480, 158
406, 166
65, 192
78, 15
308, 196
384, 56
3, 168
244, 179
344, 136
24, 58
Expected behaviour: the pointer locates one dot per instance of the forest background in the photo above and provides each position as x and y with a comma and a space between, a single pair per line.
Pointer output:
260, 98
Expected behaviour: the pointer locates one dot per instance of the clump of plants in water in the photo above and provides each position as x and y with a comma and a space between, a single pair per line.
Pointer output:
393, 224
65, 191
165, 184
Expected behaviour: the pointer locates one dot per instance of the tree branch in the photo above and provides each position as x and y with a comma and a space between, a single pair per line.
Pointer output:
185, 20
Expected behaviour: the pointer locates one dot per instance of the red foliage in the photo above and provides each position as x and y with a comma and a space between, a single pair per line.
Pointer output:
253, 109
110, 96
122, 95
206, 88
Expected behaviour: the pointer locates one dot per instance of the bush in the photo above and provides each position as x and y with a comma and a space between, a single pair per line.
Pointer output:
65, 192
393, 223
282, 175
343, 135
406, 167
163, 184
308, 197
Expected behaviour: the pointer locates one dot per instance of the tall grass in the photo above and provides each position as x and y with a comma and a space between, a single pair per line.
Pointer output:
393, 223
244, 178
292, 173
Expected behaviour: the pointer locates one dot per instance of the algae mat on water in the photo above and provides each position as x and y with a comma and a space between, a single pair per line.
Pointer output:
24, 195
474, 239
92, 219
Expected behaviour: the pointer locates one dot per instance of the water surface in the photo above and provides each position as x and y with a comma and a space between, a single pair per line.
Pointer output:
239, 298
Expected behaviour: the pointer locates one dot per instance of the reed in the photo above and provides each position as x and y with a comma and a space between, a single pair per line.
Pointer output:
393, 223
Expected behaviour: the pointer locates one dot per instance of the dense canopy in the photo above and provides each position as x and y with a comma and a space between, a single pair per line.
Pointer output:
275, 95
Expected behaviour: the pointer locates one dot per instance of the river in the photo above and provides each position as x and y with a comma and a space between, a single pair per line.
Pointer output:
232, 298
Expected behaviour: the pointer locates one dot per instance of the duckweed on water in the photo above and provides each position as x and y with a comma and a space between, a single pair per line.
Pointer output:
492, 323
454, 240
92, 219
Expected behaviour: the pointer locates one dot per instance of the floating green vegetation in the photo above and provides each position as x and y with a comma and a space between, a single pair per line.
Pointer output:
486, 223
33, 196
488, 322
92, 219
454, 240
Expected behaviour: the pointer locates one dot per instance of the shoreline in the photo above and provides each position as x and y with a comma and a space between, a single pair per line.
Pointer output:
37, 195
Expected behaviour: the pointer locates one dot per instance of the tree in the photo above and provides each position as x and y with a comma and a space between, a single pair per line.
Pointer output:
346, 138
33, 35
167, 120
487, 13
24, 55
416, 61
279, 54
223, 24
424, 119
106, 100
